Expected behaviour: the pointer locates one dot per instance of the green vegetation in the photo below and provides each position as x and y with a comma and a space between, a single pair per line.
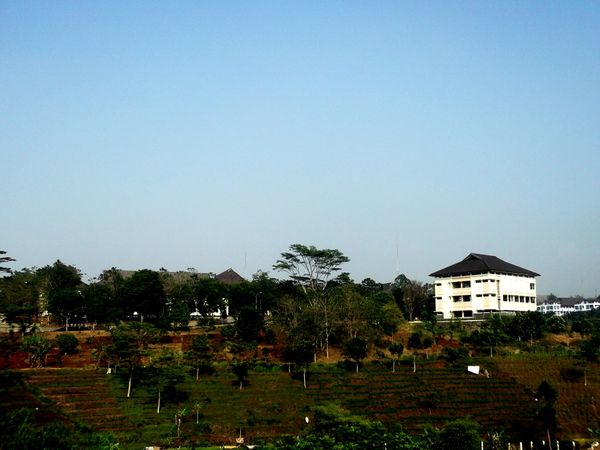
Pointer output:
285, 371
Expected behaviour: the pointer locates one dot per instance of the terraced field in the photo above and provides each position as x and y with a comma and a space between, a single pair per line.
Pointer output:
84, 395
273, 403
429, 396
577, 407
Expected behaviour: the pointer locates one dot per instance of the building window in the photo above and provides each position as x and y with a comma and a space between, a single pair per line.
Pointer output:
532, 286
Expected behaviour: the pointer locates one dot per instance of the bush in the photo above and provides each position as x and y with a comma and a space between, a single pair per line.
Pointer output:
228, 332
452, 355
460, 434
414, 341
67, 343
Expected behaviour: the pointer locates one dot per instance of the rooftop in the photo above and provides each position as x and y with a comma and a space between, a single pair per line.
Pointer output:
476, 263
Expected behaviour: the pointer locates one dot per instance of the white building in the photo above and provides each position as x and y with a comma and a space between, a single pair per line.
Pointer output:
566, 305
483, 284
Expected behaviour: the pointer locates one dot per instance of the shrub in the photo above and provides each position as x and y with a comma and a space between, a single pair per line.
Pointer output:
228, 332
67, 343
460, 434
452, 355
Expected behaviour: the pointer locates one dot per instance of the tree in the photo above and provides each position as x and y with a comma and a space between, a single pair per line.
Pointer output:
38, 347
430, 401
249, 323
67, 343
65, 301
300, 353
311, 269
353, 311
19, 298
100, 303
526, 325
391, 318
144, 294
198, 406
3, 260
396, 350
546, 396
356, 350
131, 341
556, 324
66, 305
414, 297
368, 286
207, 295
240, 370
309, 266
19, 429
199, 354
461, 434
165, 371
492, 332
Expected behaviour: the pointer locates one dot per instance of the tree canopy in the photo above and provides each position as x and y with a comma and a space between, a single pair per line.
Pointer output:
309, 266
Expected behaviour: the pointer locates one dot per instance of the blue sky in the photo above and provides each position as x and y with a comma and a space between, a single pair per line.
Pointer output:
215, 134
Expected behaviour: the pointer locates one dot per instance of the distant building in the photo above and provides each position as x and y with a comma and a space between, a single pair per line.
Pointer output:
483, 284
566, 305
230, 276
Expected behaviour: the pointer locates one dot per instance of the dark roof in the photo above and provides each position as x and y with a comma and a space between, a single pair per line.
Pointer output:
477, 263
567, 301
230, 276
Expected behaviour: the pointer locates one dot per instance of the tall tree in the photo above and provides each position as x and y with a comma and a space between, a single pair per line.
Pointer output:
144, 294
101, 305
199, 354
311, 268
248, 324
414, 297
3, 260
207, 295
164, 372
19, 298
65, 301
131, 341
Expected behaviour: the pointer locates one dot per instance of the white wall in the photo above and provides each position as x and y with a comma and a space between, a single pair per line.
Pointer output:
475, 294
